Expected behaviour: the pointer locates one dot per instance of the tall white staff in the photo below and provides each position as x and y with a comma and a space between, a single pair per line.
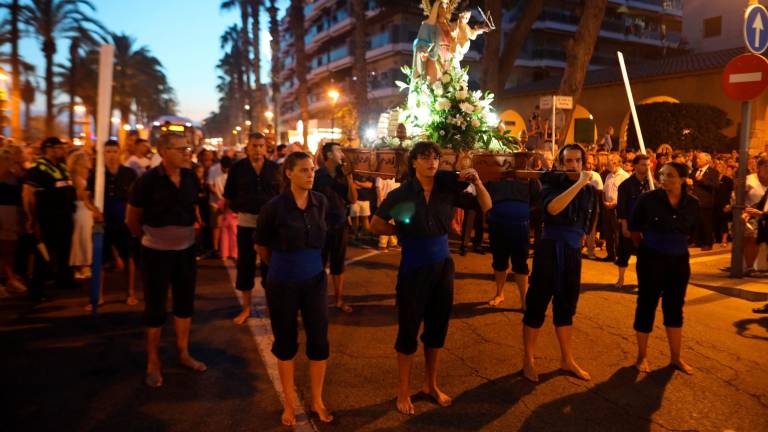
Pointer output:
632, 107
106, 64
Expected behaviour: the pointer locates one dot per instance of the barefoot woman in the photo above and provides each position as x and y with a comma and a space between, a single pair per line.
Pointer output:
422, 208
661, 224
290, 236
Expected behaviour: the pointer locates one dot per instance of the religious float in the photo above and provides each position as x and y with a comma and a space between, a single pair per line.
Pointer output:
440, 107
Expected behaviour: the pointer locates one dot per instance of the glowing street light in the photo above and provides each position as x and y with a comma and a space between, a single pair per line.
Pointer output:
247, 107
115, 120
139, 127
238, 128
126, 127
269, 115
248, 122
79, 108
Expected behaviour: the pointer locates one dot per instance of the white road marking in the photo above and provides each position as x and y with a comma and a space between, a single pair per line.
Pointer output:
261, 330
745, 77
702, 259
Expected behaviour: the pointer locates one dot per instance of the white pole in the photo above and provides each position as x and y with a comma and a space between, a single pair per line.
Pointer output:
554, 127
103, 121
632, 107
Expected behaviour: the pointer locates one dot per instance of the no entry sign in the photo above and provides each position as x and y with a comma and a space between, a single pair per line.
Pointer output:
745, 77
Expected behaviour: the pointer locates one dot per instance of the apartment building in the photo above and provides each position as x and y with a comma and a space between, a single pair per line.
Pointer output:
329, 44
642, 29
710, 25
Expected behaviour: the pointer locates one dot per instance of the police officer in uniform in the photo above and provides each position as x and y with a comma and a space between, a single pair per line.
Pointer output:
251, 183
422, 208
49, 202
570, 210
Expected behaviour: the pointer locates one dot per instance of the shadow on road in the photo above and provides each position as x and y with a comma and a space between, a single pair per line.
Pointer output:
620, 403
743, 326
609, 287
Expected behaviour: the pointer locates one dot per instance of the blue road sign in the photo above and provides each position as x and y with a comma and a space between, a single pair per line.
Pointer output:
756, 28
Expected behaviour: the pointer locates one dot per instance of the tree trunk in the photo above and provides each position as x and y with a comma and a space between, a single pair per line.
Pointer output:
578, 52
296, 18
28, 96
491, 49
274, 30
72, 83
360, 85
516, 40
246, 59
258, 97
15, 73
49, 49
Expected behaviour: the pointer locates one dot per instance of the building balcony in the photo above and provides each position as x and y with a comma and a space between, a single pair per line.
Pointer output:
384, 50
612, 30
670, 7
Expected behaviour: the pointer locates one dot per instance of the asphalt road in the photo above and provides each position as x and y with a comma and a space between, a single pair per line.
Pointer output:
65, 370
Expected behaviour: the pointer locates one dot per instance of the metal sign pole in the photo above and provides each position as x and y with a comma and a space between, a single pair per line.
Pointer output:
737, 253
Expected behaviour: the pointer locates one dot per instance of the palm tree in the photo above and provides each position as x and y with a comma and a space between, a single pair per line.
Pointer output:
233, 67
245, 44
360, 80
82, 39
274, 30
296, 23
52, 20
139, 80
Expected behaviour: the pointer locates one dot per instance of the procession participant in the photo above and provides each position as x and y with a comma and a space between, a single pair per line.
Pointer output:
629, 191
251, 183
661, 224
422, 208
161, 207
291, 234
513, 202
49, 203
569, 212
704, 187
339, 188
616, 176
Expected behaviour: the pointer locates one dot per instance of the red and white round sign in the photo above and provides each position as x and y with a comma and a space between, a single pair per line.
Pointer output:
745, 77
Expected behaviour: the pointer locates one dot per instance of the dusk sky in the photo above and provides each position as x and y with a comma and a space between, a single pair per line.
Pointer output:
183, 34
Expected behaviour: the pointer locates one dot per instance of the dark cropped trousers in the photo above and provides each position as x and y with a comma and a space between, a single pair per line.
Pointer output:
662, 277
424, 294
550, 282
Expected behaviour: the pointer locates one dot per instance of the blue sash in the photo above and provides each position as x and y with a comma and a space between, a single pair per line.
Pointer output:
292, 267
420, 252
668, 243
509, 212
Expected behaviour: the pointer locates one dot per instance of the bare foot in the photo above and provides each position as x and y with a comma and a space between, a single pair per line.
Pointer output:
642, 365
573, 368
89, 307
289, 416
404, 404
437, 395
682, 366
322, 412
153, 377
344, 307
188, 361
619, 284
242, 318
496, 301
131, 301
529, 371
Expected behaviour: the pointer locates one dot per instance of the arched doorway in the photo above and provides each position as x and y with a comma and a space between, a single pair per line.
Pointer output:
625, 122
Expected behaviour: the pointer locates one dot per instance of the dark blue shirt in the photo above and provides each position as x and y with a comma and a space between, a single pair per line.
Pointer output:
163, 202
248, 191
336, 190
665, 229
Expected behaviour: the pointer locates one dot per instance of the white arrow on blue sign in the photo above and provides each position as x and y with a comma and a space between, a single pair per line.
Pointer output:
756, 28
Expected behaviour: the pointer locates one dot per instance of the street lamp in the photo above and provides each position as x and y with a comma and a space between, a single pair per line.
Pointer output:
333, 95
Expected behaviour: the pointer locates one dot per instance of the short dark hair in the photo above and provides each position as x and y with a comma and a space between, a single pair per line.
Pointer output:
111, 143
281, 147
574, 146
762, 161
256, 135
225, 162
50, 142
681, 168
328, 148
639, 158
421, 148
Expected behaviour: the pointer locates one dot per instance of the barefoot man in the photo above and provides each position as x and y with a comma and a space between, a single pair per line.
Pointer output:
422, 208
569, 212
161, 211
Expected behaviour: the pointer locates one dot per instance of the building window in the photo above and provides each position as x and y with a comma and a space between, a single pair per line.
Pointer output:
713, 27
